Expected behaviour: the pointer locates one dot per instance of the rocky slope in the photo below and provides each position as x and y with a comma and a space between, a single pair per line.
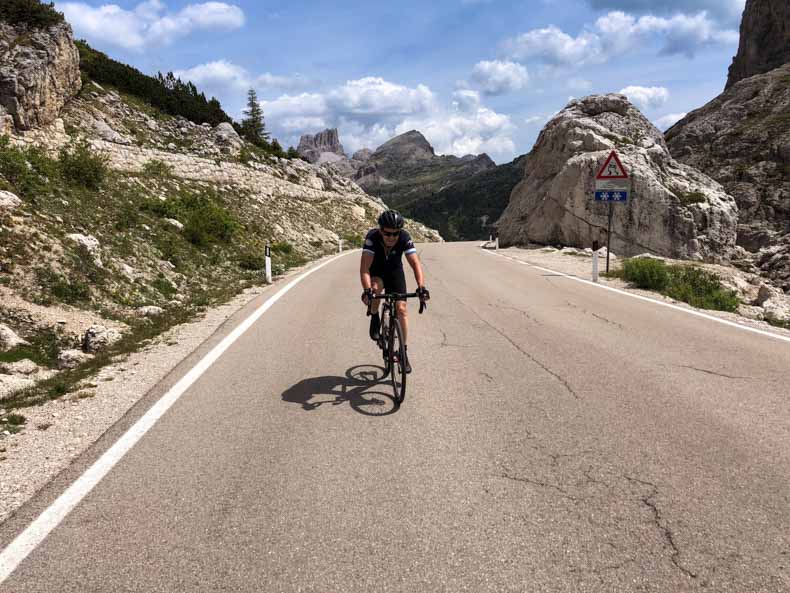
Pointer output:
406, 169
765, 39
742, 139
675, 211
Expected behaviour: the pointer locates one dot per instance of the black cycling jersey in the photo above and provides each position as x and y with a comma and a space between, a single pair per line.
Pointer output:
385, 263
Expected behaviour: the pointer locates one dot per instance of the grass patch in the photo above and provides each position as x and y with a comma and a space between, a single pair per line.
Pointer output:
778, 323
13, 423
353, 240
689, 284
43, 350
80, 165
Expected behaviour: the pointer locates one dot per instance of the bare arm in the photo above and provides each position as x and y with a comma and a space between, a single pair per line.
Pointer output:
414, 262
364, 269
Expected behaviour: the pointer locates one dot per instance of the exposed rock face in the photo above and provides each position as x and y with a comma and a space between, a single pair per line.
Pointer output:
362, 155
313, 148
742, 139
406, 169
765, 39
39, 73
674, 210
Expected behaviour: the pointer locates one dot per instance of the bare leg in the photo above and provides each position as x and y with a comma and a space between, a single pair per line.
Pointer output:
403, 316
377, 284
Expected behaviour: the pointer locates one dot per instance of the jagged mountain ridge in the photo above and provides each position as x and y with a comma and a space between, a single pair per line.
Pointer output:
406, 169
742, 139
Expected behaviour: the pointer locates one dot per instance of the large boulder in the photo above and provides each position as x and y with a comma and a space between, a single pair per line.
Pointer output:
765, 39
39, 73
673, 211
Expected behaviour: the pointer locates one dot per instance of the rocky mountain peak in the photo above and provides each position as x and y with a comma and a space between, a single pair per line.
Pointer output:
313, 148
674, 210
765, 39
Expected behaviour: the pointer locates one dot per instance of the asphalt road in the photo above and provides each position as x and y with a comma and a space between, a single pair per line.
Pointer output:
555, 437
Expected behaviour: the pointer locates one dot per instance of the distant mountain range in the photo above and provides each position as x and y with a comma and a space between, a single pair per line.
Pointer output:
461, 195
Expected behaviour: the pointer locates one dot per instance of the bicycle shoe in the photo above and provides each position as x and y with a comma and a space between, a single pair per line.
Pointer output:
406, 365
375, 323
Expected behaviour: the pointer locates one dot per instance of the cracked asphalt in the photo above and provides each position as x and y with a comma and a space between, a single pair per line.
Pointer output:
554, 438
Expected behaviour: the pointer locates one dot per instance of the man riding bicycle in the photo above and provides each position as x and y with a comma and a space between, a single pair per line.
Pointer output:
381, 269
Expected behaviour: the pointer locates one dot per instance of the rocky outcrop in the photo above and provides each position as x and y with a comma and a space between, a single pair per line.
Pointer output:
742, 140
321, 148
39, 73
406, 169
674, 210
765, 39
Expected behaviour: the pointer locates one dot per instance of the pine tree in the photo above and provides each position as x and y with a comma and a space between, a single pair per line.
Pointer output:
253, 124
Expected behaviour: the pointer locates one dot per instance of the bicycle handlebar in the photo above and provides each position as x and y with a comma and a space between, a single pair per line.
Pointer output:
394, 296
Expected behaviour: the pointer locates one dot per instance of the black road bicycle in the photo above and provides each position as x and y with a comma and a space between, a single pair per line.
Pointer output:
391, 341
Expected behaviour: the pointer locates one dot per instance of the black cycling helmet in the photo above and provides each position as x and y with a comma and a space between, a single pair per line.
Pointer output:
390, 219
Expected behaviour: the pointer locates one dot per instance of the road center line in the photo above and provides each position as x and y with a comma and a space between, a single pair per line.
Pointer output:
36, 532
648, 299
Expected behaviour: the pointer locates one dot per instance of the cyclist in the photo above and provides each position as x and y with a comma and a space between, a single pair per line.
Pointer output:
381, 269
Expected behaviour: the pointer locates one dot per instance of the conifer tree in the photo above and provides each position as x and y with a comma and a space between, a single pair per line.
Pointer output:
253, 125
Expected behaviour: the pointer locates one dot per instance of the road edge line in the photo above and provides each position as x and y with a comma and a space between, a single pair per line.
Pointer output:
648, 299
35, 533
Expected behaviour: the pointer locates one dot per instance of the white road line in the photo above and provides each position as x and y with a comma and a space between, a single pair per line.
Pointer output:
648, 299
36, 532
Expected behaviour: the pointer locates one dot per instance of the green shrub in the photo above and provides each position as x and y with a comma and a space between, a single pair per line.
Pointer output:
252, 262
29, 12
650, 274
80, 165
352, 240
157, 168
164, 286
690, 284
700, 288
205, 221
282, 248
28, 170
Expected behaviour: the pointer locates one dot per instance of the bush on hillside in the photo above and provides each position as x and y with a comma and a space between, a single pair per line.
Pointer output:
31, 13
686, 283
28, 170
81, 165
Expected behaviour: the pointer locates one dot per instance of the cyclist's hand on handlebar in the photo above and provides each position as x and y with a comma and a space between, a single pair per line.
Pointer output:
423, 293
367, 295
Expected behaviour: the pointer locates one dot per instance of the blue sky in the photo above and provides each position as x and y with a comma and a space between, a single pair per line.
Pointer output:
472, 75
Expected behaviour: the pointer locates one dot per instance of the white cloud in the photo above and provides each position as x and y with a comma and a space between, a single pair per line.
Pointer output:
646, 97
371, 110
615, 34
727, 11
218, 74
667, 121
499, 77
148, 24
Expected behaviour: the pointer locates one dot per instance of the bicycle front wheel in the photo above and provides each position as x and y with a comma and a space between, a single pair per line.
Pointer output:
397, 351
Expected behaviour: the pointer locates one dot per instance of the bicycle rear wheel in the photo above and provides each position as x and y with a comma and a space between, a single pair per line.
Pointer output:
383, 343
397, 358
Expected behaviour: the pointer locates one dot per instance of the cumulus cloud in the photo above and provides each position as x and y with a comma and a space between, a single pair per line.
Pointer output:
616, 33
646, 97
369, 111
149, 23
499, 77
729, 12
667, 121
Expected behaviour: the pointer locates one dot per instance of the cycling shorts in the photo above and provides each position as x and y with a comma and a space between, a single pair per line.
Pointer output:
394, 280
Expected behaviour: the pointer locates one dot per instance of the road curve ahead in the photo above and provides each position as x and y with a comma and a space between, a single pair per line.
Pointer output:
555, 437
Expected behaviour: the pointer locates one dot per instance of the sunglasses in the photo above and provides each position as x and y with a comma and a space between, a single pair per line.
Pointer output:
386, 234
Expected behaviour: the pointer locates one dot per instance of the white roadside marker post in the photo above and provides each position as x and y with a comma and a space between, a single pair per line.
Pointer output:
268, 253
595, 262
340, 245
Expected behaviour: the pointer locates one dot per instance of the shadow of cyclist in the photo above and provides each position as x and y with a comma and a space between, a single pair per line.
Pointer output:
360, 388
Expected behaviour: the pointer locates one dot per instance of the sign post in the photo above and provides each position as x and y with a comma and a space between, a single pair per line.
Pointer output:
612, 184
268, 252
595, 248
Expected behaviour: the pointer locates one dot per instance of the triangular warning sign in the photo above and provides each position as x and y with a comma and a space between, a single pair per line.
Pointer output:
612, 168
